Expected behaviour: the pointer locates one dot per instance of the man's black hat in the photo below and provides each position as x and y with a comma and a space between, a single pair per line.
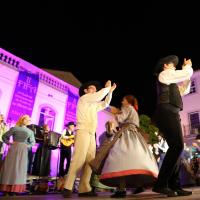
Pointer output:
86, 85
69, 124
165, 60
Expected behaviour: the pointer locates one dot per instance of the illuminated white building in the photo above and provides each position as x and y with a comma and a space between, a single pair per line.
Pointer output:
190, 116
53, 101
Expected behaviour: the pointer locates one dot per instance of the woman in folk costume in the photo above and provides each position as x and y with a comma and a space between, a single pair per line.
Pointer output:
129, 163
13, 174
42, 160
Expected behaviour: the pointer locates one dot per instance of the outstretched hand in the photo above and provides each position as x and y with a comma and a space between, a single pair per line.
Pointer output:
113, 87
108, 83
114, 110
187, 62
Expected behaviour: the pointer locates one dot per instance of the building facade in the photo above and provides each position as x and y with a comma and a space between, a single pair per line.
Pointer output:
27, 89
190, 116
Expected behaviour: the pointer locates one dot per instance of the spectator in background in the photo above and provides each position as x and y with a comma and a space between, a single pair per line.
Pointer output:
3, 129
161, 149
109, 133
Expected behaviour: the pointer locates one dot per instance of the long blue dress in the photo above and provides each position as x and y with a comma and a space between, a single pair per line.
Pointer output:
13, 174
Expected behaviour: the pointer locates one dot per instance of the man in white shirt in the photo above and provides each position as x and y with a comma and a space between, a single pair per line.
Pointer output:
160, 149
172, 84
90, 102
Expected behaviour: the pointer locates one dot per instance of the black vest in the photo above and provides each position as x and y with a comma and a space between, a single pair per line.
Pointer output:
169, 94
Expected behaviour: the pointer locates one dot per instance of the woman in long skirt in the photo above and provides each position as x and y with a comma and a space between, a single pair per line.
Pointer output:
42, 160
129, 163
13, 174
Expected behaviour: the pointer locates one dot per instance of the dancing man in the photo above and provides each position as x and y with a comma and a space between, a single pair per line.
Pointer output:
172, 84
90, 102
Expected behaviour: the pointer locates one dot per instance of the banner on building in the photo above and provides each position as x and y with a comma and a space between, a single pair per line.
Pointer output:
24, 96
70, 115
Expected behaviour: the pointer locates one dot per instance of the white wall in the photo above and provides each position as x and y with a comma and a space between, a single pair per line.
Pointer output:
8, 78
54, 99
191, 102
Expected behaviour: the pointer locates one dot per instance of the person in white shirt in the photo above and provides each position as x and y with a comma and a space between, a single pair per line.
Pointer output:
160, 149
172, 84
89, 104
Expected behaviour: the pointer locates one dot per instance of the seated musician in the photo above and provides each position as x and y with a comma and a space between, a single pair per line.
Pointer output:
66, 141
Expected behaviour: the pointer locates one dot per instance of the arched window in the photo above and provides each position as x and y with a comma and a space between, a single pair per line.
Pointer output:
47, 116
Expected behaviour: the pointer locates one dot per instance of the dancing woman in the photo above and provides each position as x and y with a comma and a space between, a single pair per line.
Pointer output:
130, 163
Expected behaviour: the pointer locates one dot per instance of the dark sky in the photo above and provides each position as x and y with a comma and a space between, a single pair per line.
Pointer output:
119, 42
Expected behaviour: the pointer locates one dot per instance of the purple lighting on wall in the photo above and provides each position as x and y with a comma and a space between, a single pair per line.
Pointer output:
24, 96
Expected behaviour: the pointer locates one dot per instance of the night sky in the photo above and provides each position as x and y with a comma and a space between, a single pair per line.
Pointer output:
119, 42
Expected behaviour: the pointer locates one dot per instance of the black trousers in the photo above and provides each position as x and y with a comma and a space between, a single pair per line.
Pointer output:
64, 154
30, 160
167, 119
